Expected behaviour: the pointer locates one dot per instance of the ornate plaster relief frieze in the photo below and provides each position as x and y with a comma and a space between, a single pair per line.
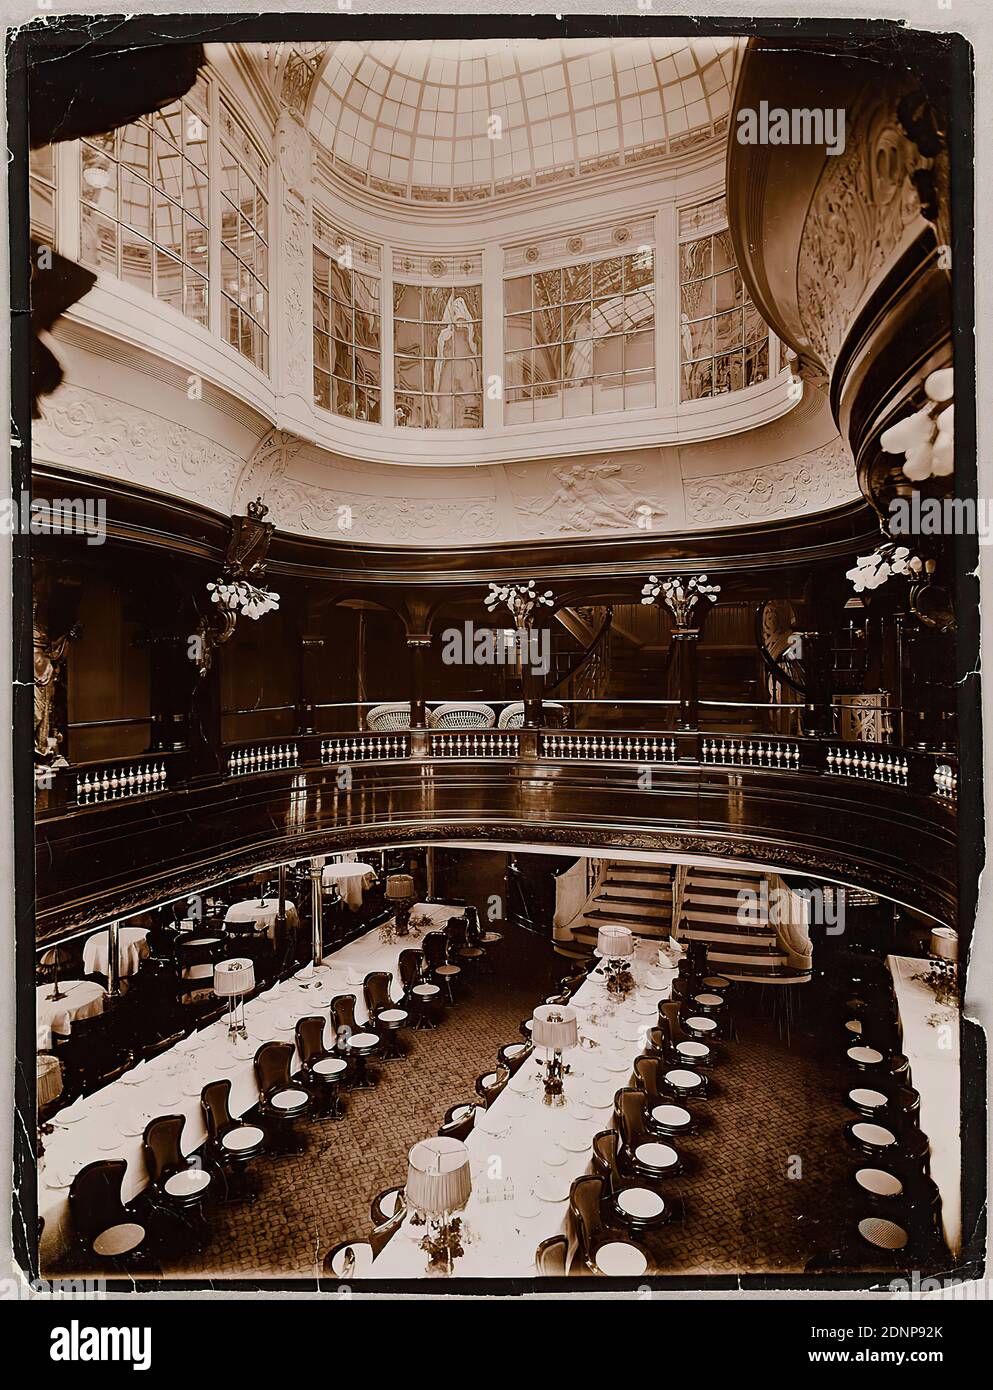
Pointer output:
814, 482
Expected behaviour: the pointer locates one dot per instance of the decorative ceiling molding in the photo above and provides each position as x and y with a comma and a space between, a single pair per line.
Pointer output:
812, 483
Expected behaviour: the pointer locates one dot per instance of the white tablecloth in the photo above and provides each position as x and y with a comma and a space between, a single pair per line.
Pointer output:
931, 1042
526, 1151
250, 911
351, 880
132, 949
109, 1123
83, 999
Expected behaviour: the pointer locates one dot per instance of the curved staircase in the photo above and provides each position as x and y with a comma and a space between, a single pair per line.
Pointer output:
633, 895
741, 942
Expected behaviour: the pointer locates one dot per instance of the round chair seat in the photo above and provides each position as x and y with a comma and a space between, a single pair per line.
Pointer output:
708, 1001
866, 1056
446, 971
392, 1017
854, 1025
188, 1182
119, 1240
244, 1137
654, 1155
672, 1117
514, 1050
883, 1234
879, 1182
640, 1203
471, 952
698, 1050
618, 1258
490, 938
699, 1024
874, 1136
426, 991
329, 1066
462, 1112
290, 1099
683, 1080
867, 1099
716, 981
363, 1042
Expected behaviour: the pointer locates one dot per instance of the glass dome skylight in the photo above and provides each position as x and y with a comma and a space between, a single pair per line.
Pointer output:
469, 119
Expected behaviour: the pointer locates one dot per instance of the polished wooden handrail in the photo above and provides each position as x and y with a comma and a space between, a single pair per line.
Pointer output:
114, 857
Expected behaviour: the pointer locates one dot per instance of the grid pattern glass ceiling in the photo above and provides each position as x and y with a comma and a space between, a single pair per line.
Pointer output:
415, 118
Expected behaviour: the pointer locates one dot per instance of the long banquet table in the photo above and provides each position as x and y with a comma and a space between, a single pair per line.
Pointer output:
109, 1123
524, 1155
931, 1043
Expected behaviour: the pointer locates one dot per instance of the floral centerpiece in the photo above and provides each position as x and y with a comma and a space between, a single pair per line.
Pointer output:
443, 1244
620, 981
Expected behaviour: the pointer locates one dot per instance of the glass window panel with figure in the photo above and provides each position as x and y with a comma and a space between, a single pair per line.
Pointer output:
169, 280
608, 278
407, 339
136, 203
755, 328
366, 367
195, 243
727, 291
407, 411
366, 294
168, 124
168, 225
757, 364
342, 359
639, 271
727, 331
547, 289
409, 374
577, 398
696, 259
468, 412
135, 149
728, 373
437, 303
322, 272
576, 283
517, 295
98, 180
639, 351
366, 405
407, 302
168, 169
195, 191
698, 339
608, 394
322, 350
136, 260
472, 298
195, 297
724, 257
697, 380
322, 390
342, 395
98, 241
639, 390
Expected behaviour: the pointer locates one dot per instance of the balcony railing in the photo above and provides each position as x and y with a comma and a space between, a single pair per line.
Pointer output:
885, 821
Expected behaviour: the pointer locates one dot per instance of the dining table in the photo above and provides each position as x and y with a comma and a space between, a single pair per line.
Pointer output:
352, 880
78, 999
264, 912
524, 1153
110, 1122
132, 949
931, 1045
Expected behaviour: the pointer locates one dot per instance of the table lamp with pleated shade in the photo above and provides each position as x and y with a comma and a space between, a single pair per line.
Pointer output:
614, 942
234, 979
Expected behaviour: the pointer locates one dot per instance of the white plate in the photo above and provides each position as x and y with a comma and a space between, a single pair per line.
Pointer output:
552, 1187
71, 1115
646, 1010
598, 1098
616, 1062
661, 1156
521, 1084
110, 1143
527, 1207
598, 1076
579, 1110
554, 1156
575, 1140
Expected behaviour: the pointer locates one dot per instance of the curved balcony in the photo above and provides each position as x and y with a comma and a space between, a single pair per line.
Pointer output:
874, 816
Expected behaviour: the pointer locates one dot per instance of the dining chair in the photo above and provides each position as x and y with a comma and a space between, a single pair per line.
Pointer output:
459, 1121
282, 1100
491, 1084
104, 1230
384, 1015
358, 1077
441, 968
643, 1155
232, 1143
179, 1185
592, 1232
322, 1070
386, 1204
550, 1257
514, 1055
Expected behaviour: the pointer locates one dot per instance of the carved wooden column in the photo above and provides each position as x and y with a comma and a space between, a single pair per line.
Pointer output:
317, 910
418, 645
171, 677
687, 678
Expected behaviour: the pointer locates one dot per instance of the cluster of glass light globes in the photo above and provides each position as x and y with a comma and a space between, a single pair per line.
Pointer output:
239, 596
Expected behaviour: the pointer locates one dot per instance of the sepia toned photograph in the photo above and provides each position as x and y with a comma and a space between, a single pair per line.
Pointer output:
497, 750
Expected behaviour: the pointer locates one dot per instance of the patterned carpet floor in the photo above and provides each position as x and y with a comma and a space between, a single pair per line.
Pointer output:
766, 1192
